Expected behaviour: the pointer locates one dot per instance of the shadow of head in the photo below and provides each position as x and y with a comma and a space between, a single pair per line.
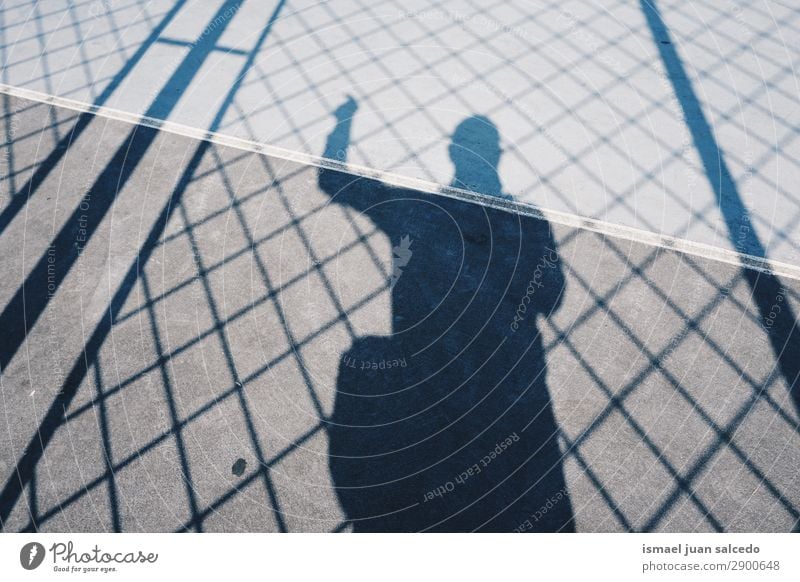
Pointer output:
475, 152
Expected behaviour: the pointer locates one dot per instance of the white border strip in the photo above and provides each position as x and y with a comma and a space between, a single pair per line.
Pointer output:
572, 220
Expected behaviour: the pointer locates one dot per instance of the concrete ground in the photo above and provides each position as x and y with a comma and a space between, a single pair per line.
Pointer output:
197, 336
362, 266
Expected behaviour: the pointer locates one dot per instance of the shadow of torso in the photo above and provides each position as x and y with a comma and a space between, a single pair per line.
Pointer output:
446, 424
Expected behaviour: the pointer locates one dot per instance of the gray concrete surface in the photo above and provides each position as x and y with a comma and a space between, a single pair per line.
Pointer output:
190, 331
649, 114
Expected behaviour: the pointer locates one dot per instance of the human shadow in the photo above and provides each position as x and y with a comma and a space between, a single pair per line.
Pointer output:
447, 424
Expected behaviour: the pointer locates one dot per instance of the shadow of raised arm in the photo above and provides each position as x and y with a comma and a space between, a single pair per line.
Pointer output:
339, 139
337, 145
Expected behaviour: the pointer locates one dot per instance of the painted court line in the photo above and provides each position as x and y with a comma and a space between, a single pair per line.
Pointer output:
563, 218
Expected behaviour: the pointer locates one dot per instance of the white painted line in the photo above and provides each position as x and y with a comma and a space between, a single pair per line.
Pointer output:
572, 220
